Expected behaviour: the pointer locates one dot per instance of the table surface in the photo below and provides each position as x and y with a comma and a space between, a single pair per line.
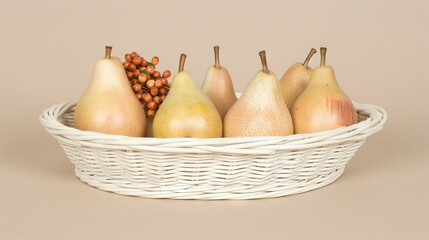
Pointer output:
381, 195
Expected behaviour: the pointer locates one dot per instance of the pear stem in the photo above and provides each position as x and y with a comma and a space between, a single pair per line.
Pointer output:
182, 62
307, 59
216, 53
264, 61
322, 56
108, 52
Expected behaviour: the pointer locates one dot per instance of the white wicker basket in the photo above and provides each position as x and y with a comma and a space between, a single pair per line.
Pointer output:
216, 168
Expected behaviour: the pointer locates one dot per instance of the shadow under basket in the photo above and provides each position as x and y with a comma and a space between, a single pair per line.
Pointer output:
213, 168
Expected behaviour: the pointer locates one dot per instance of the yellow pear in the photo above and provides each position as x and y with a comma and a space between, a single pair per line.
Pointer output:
295, 79
260, 110
186, 111
323, 105
218, 86
108, 104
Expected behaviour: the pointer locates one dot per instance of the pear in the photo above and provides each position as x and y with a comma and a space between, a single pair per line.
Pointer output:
323, 105
218, 86
108, 104
295, 79
186, 111
260, 110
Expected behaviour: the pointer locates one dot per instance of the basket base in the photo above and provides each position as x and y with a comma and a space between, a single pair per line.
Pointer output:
277, 189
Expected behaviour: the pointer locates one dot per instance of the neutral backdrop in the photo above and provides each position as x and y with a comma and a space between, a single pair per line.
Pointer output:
379, 50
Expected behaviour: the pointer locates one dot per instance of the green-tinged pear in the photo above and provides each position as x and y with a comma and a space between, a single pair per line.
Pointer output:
186, 111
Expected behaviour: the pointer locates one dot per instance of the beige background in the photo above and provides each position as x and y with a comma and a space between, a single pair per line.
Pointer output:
378, 48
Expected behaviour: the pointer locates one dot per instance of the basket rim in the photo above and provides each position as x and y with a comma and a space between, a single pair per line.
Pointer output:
375, 119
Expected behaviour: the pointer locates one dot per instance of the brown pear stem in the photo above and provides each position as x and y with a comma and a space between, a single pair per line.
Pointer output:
182, 62
307, 59
322, 56
108, 52
216, 53
264, 61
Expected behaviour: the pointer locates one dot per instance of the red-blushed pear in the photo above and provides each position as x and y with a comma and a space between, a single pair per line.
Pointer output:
260, 110
186, 111
295, 79
108, 104
218, 86
323, 105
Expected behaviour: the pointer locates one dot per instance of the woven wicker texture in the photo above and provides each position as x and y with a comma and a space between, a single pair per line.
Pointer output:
216, 168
